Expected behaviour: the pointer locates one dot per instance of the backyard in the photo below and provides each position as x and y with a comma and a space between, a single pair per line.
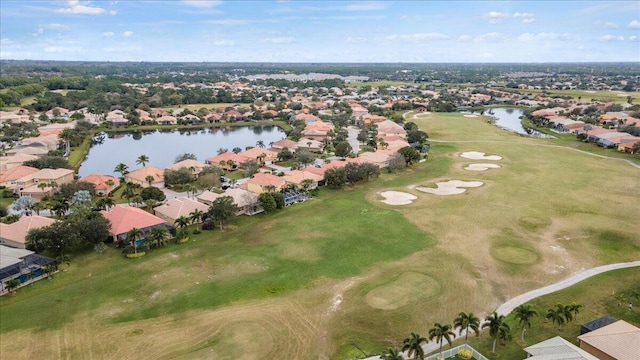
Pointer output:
345, 274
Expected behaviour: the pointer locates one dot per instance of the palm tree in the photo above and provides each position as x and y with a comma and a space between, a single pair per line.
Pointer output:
66, 135
133, 235
37, 207
142, 160
12, 285
260, 144
556, 315
106, 203
497, 327
182, 222
575, 309
123, 169
158, 234
524, 313
413, 346
149, 179
441, 332
391, 354
466, 322
196, 217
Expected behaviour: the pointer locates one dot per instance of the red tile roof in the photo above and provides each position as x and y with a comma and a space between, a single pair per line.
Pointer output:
125, 218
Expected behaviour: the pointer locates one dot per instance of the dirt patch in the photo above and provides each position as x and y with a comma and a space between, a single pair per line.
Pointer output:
451, 187
477, 155
300, 251
481, 167
470, 115
514, 255
408, 287
397, 197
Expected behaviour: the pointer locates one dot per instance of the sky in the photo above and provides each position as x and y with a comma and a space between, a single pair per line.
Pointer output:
321, 31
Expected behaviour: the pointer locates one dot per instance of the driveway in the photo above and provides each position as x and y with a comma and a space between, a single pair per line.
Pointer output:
353, 138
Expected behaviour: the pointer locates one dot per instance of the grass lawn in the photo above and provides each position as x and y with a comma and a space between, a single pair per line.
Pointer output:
343, 272
615, 96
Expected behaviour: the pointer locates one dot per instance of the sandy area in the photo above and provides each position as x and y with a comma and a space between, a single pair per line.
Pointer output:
451, 187
397, 197
476, 155
470, 115
481, 167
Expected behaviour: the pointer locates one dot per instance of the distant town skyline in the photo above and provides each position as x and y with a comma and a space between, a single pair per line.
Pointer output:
321, 31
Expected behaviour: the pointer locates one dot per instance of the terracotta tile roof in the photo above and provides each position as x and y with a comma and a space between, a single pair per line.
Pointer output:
141, 174
17, 231
241, 197
285, 143
125, 218
297, 176
181, 206
227, 156
619, 340
263, 179
47, 174
16, 173
100, 181
256, 151
188, 163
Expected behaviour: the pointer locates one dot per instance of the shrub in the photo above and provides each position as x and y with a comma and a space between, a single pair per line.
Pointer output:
183, 240
207, 225
465, 354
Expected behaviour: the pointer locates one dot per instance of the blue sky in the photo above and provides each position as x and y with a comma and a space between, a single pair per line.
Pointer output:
321, 31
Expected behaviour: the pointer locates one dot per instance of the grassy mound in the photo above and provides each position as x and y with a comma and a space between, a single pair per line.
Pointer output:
514, 255
407, 287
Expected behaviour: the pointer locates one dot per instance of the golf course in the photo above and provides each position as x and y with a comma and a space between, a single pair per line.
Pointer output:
350, 273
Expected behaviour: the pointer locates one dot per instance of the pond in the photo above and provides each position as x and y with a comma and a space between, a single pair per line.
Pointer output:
162, 147
509, 119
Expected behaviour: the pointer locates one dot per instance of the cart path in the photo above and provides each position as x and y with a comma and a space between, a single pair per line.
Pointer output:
511, 304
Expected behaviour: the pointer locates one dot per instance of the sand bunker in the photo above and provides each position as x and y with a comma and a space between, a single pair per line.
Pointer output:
481, 167
397, 198
451, 187
470, 115
476, 155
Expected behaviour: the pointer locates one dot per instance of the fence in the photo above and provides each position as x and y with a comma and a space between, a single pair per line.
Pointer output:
451, 353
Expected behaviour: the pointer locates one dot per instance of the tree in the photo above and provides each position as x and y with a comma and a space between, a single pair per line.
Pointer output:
466, 322
142, 160
152, 193
158, 235
132, 236
250, 168
441, 332
285, 154
497, 326
12, 285
184, 156
182, 222
209, 181
574, 308
24, 203
304, 156
68, 190
413, 346
396, 162
335, 178
48, 162
343, 149
223, 209
121, 168
149, 179
391, 354
66, 135
81, 197
236, 150
559, 315
196, 217
267, 202
410, 154
524, 313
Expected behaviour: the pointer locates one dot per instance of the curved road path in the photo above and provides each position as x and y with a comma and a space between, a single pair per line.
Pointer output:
508, 306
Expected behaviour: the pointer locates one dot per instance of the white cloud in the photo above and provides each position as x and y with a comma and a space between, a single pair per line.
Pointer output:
62, 49
610, 25
224, 43
494, 17
112, 12
108, 33
528, 21
227, 22
610, 37
6, 41
410, 17
202, 3
279, 40
356, 39
464, 38
366, 6
418, 38
634, 24
491, 37
546, 37
633, 38
127, 33
55, 26
75, 8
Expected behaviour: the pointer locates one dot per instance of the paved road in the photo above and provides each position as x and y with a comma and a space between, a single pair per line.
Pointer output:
508, 306
353, 138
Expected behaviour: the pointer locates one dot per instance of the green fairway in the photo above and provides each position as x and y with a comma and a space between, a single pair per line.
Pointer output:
344, 272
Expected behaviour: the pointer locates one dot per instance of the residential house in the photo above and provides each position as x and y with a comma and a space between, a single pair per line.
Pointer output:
23, 265
31, 185
260, 155
125, 218
284, 143
390, 128
228, 160
104, 184
380, 158
317, 130
167, 120
297, 177
141, 177
310, 144
246, 201
175, 208
393, 143
9, 178
8, 162
556, 348
261, 182
15, 234
617, 341
195, 166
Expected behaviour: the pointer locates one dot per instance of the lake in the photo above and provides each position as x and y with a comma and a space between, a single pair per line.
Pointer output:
162, 147
509, 119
